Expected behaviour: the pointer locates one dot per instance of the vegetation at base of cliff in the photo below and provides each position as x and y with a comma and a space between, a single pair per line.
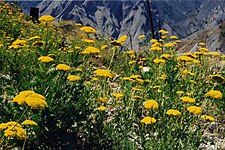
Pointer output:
65, 86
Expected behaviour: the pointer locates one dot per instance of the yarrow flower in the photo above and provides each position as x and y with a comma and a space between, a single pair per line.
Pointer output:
151, 104
218, 78
45, 59
46, 18
102, 99
29, 122
91, 50
187, 99
103, 73
63, 67
157, 61
30, 98
205, 117
118, 95
148, 120
88, 29
195, 110
173, 112
214, 94
101, 108
13, 129
73, 78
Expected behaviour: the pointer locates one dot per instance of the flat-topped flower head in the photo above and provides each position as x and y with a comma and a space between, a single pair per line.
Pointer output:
88, 29
218, 78
46, 18
91, 50
151, 104
101, 108
73, 78
29, 122
173, 112
207, 118
32, 99
148, 120
118, 95
45, 59
103, 73
214, 94
195, 110
63, 67
187, 99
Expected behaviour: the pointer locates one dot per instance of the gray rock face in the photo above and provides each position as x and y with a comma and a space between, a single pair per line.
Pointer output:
116, 18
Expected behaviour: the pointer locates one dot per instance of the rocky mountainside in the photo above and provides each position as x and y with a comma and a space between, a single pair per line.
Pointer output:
115, 18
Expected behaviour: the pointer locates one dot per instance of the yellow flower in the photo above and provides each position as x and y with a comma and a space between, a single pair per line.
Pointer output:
195, 110
184, 58
173, 37
155, 48
94, 79
135, 76
73, 78
31, 98
127, 79
130, 52
45, 59
166, 56
173, 112
91, 50
141, 36
34, 38
19, 42
203, 49
121, 41
88, 41
88, 29
151, 104
3, 126
131, 62
148, 120
201, 44
103, 99
103, 73
205, 117
1, 45
153, 40
218, 78
163, 31
157, 61
180, 92
46, 18
104, 47
187, 99
163, 77
118, 95
38, 43
169, 45
29, 122
63, 67
101, 108
214, 94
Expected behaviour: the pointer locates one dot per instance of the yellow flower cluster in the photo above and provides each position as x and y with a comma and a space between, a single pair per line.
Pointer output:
101, 108
187, 99
102, 99
121, 41
118, 95
46, 18
195, 110
218, 78
32, 99
29, 122
91, 50
18, 44
45, 59
148, 120
73, 78
88, 29
63, 67
157, 61
173, 112
214, 94
205, 117
103, 73
13, 129
151, 104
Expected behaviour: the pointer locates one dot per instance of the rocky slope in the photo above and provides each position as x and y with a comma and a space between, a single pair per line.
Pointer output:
115, 18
